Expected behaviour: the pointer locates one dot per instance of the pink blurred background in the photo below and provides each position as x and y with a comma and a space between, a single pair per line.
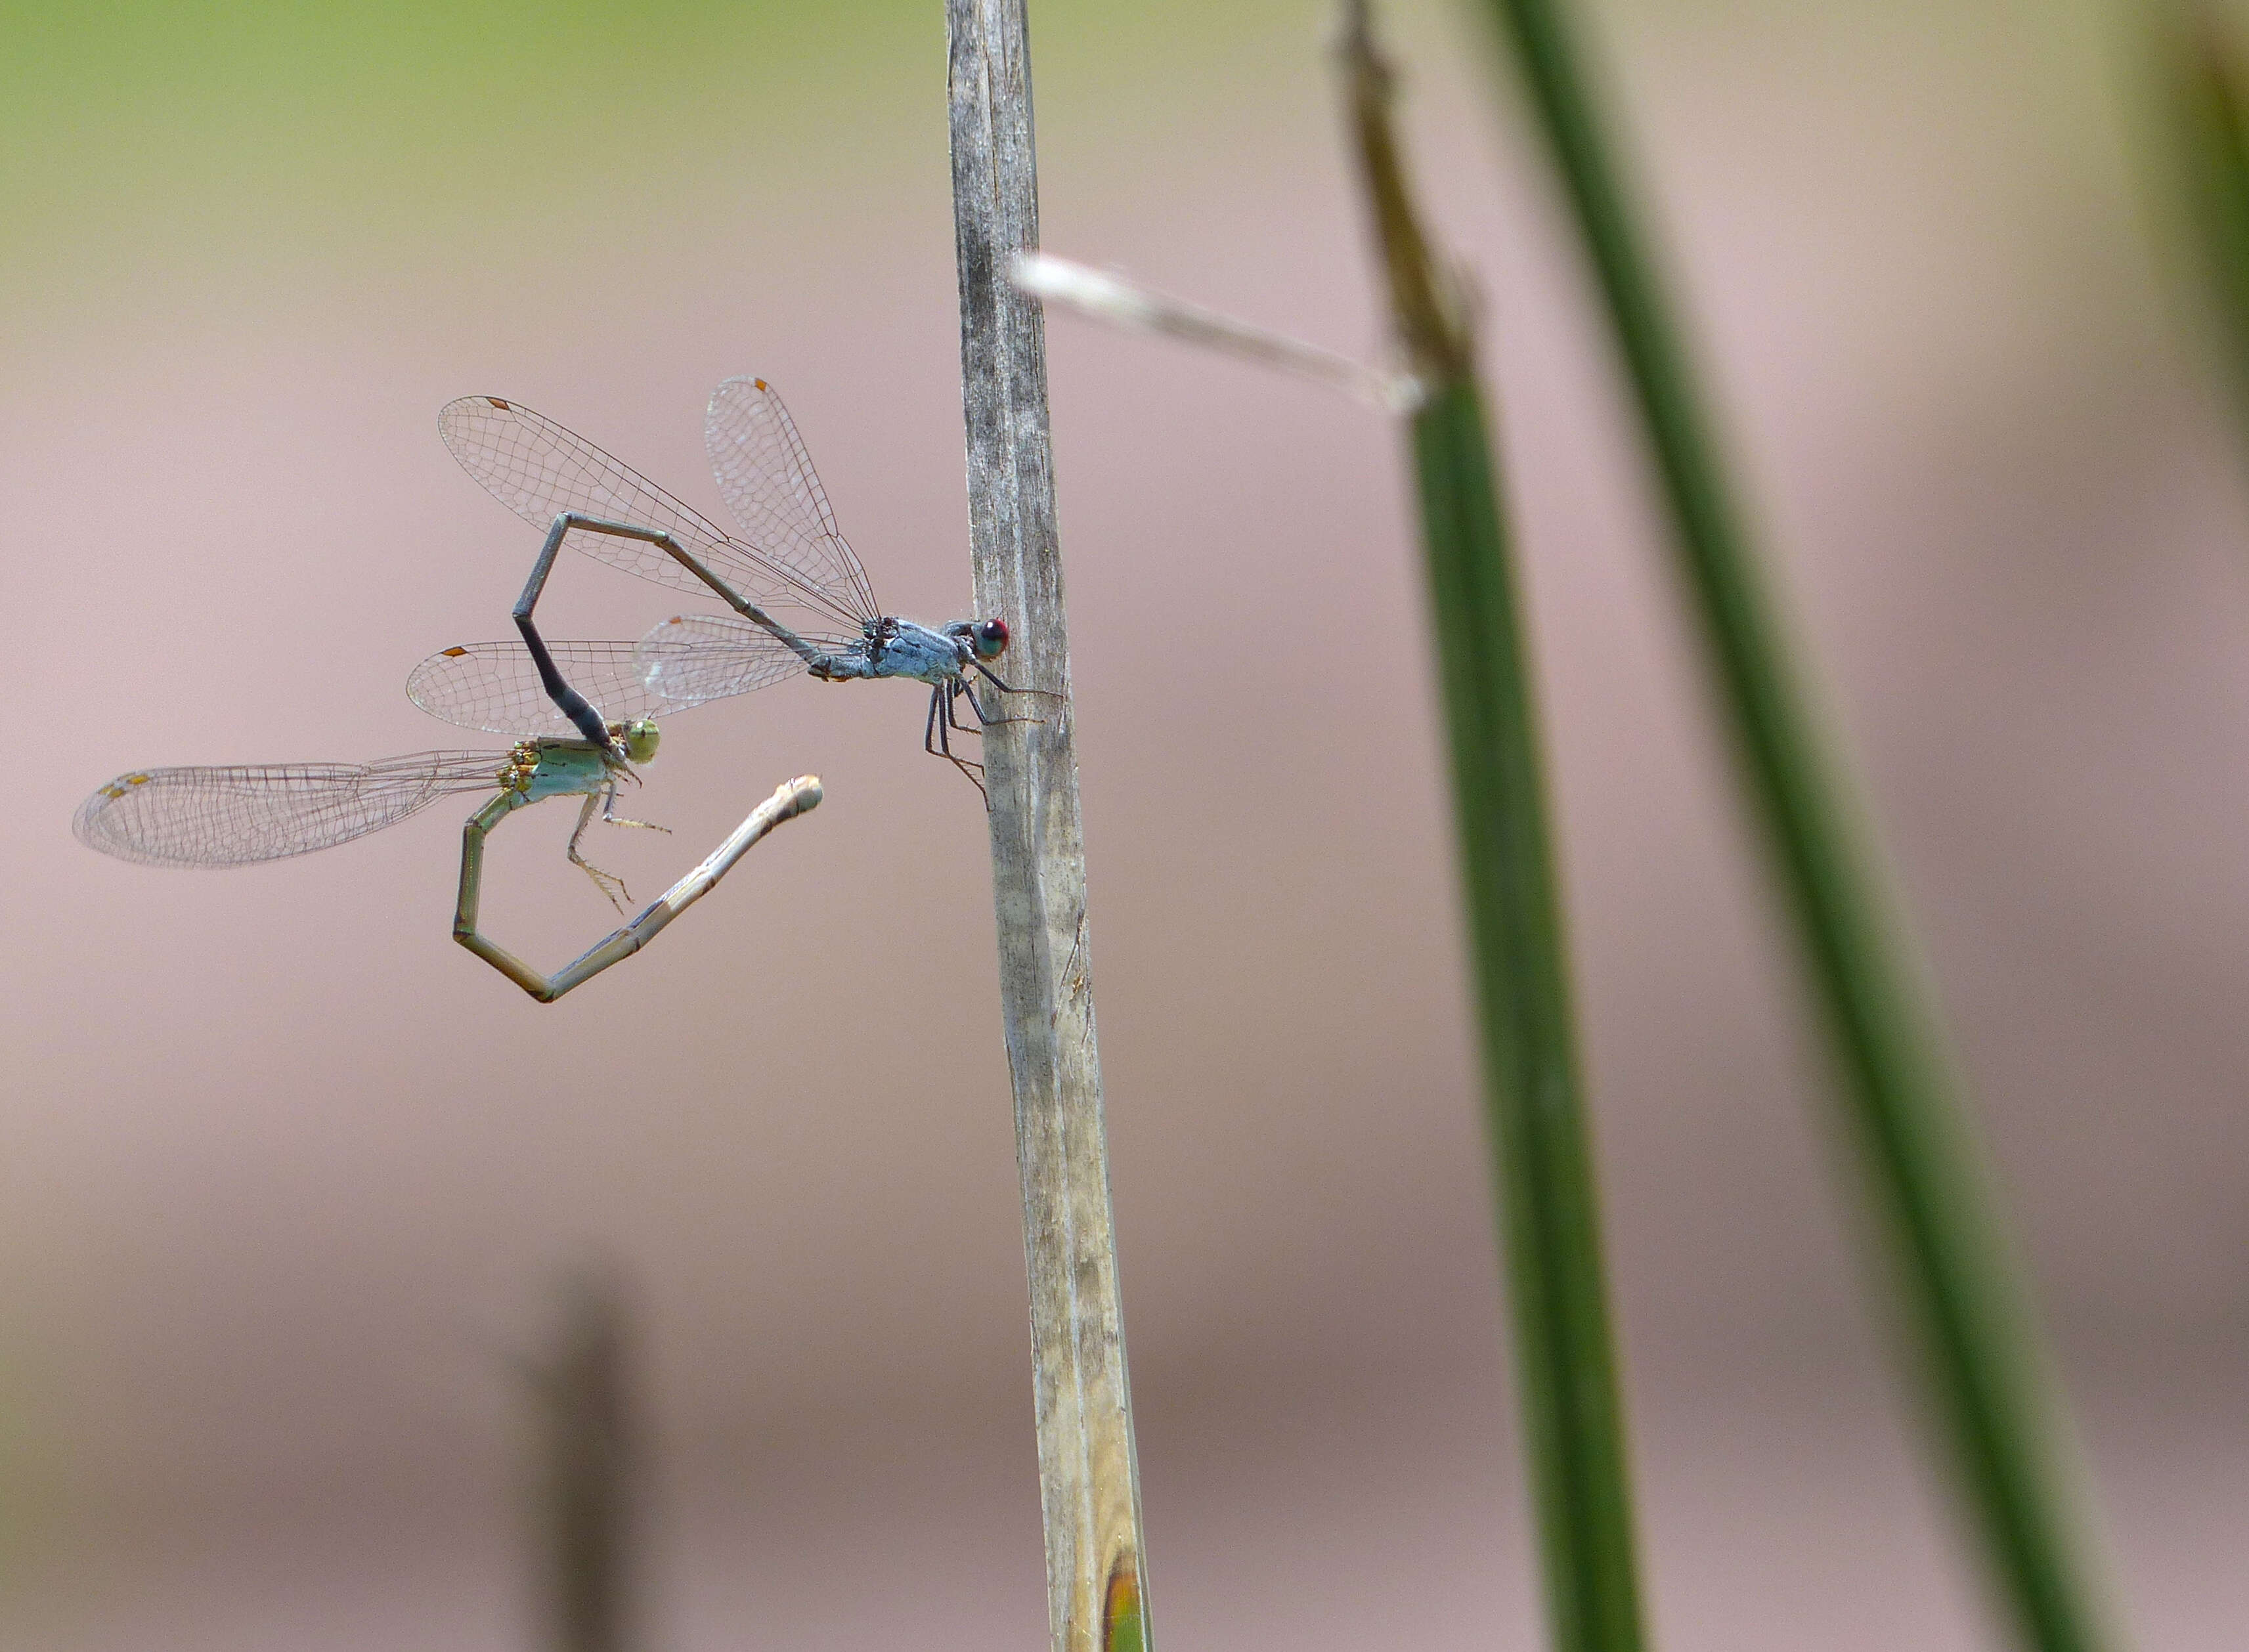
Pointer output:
287, 1178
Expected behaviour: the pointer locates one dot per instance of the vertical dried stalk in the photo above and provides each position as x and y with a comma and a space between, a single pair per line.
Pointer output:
585, 1498
1088, 1481
1557, 1298
2210, 119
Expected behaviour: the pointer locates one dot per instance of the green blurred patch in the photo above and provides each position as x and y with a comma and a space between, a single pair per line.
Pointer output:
196, 116
139, 126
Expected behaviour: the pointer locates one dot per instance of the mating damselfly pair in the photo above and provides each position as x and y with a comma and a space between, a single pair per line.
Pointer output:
583, 714
790, 556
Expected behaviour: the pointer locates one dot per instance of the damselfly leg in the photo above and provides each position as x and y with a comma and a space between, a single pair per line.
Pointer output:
937, 738
945, 721
608, 819
609, 883
965, 689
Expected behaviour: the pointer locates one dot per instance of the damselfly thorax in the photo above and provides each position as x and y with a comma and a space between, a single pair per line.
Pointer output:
894, 647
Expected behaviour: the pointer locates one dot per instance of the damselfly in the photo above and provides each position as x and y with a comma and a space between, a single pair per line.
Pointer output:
790, 555
242, 814
238, 815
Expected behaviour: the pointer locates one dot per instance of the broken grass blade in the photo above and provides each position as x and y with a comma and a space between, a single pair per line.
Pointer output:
1124, 303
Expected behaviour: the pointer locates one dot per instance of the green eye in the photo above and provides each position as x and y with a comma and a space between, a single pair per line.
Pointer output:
641, 738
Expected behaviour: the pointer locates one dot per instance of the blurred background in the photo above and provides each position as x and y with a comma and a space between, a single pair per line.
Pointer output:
288, 1179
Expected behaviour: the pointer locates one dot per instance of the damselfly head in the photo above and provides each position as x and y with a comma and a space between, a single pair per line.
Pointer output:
639, 738
991, 638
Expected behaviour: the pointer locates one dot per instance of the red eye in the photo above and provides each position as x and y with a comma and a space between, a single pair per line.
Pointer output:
992, 639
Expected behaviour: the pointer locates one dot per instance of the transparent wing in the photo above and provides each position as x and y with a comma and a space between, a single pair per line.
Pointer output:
495, 686
696, 658
770, 485
539, 469
235, 815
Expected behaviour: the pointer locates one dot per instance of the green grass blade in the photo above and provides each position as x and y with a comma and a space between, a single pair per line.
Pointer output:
1565, 1358
1983, 1384
1573, 1424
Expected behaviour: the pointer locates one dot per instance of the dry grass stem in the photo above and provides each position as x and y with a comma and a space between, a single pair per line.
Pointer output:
1088, 1478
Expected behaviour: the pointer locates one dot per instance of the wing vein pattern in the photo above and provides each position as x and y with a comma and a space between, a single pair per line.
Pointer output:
495, 686
793, 559
765, 473
693, 658
236, 814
